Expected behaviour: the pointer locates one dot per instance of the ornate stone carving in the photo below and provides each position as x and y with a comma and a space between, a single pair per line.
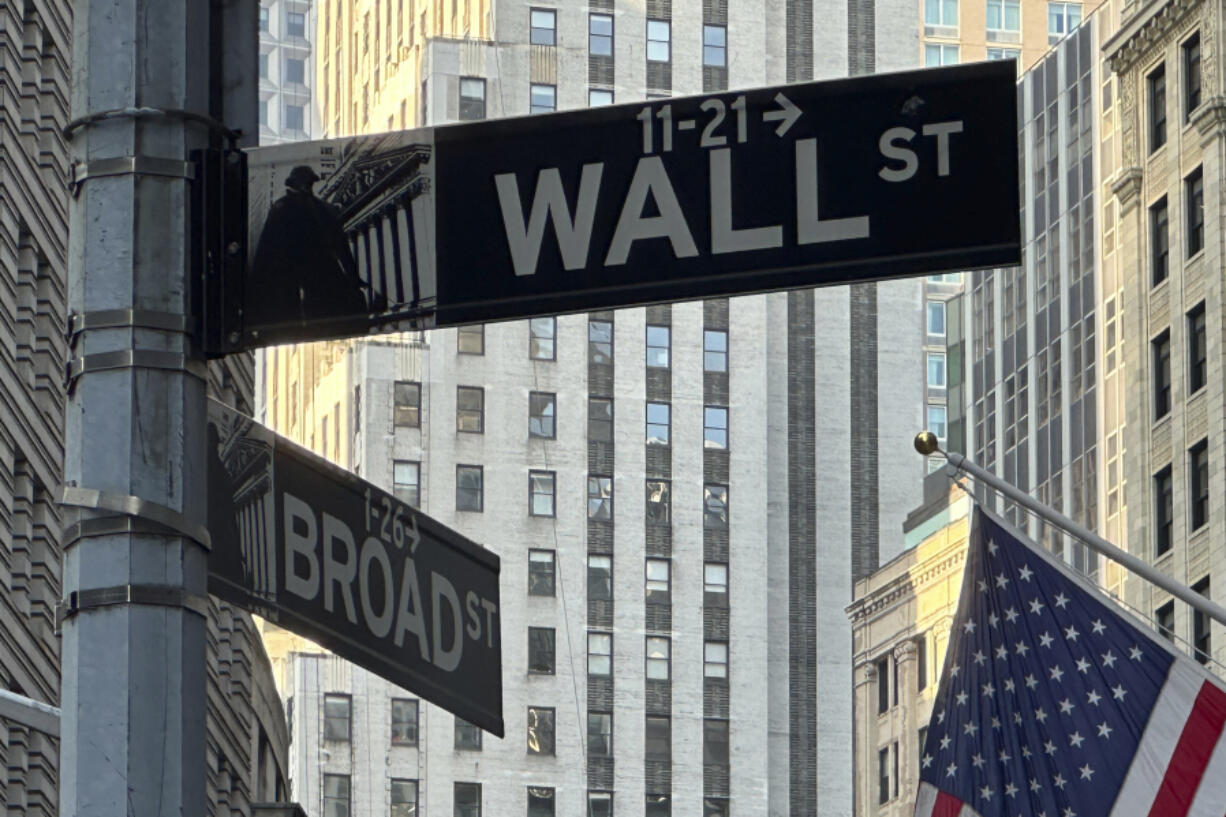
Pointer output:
1127, 186
1210, 119
905, 651
1208, 51
866, 674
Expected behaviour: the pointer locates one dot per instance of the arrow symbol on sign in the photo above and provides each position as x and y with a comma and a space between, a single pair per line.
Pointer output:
412, 534
786, 116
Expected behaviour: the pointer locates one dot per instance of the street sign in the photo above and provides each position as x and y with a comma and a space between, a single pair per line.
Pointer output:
745, 191
329, 556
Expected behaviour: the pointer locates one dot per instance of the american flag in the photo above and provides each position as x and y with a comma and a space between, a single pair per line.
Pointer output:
1055, 703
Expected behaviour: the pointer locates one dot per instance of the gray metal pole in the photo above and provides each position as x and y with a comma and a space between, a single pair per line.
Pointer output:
1091, 539
133, 649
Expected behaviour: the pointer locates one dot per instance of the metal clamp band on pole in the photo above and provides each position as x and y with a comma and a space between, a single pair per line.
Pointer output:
125, 319
1091, 539
156, 595
131, 165
133, 359
146, 112
137, 508
112, 526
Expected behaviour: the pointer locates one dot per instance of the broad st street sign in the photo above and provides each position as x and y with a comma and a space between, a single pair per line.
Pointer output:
746, 191
325, 554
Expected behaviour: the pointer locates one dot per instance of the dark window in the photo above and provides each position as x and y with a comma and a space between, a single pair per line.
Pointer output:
472, 98
658, 341
600, 498
600, 35
541, 486
658, 805
883, 685
336, 795
895, 753
542, 411
540, 572
1159, 242
470, 340
1162, 374
1191, 75
600, 419
404, 721
1164, 618
921, 663
600, 734
659, 738
599, 577
1195, 187
599, 804
295, 117
295, 23
470, 409
467, 800
544, 98
295, 70
404, 798
715, 46
715, 427
263, 66
469, 489
1164, 510
540, 802
467, 736
540, 730
922, 739
715, 807
599, 654
658, 423
657, 581
541, 650
406, 482
883, 775
1198, 361
659, 504
1157, 108
714, 350
407, 411
336, 717
715, 507
544, 27
263, 19
542, 337
1198, 483
714, 742
600, 337
1201, 648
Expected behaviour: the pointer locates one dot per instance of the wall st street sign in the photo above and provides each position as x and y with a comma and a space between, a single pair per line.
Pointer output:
746, 191
331, 557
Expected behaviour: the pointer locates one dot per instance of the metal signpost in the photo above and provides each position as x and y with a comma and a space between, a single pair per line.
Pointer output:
746, 191
327, 555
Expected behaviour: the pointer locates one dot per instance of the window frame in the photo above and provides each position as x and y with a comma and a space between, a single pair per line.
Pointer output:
1003, 10
715, 359
463, 413
663, 737
602, 422
406, 413
939, 360
1160, 361
542, 408
1202, 631
713, 665
656, 664
712, 433
337, 798
594, 102
1164, 620
1198, 351
710, 50
1155, 95
465, 337
666, 440
598, 347
406, 492
656, 41
650, 511
479, 470
593, 36
1198, 486
291, 23
469, 788
544, 714
403, 783
541, 478
538, 792
347, 700
657, 588
596, 579
536, 342
299, 65
413, 723
597, 640
536, 649
602, 720
599, 498
534, 28
552, 572
1194, 199
712, 595
1164, 510
542, 87
1193, 75
883, 684
712, 519
467, 737
929, 312
653, 361
1159, 241
468, 101
712, 741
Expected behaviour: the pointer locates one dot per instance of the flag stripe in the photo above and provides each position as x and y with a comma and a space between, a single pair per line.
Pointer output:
946, 805
1211, 793
1200, 733
1162, 730
925, 800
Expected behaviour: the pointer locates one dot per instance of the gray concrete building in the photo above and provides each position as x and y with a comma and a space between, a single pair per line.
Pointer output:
288, 109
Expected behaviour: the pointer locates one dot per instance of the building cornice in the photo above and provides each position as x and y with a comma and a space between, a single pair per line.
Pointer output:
1210, 119
1145, 29
908, 584
1127, 186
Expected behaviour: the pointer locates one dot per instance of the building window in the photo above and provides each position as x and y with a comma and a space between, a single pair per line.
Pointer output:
599, 804
936, 422
714, 742
921, 663
295, 117
1164, 618
295, 70
404, 798
1162, 374
1198, 484
715, 507
939, 54
1004, 54
600, 734
600, 419
1198, 362
715, 46
541, 486
542, 409
469, 493
658, 742
600, 498
657, 578
1195, 187
1159, 242
407, 410
406, 482
544, 98
467, 736
714, 350
540, 572
658, 424
336, 717
936, 318
540, 802
715, 584
470, 340
715, 807
1156, 84
883, 775
600, 342
263, 18
659, 502
658, 805
1164, 510
715, 427
1201, 648
715, 659
472, 98
263, 66
336, 795
542, 334
295, 24
600, 35
404, 721
658, 657
599, 654
470, 409
936, 370
544, 27
599, 97
658, 36
1191, 75
264, 112
1004, 15
467, 800
540, 730
658, 347
941, 12
1061, 19
883, 685
599, 577
540, 650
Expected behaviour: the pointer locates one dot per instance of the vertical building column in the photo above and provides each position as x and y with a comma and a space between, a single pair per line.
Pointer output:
865, 748
904, 660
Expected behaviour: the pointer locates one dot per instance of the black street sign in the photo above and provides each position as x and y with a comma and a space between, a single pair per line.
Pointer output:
329, 556
744, 191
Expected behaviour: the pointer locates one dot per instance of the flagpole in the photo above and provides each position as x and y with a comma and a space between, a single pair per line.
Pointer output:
926, 443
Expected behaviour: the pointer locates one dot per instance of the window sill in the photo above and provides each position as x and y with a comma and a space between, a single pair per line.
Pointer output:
1195, 257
